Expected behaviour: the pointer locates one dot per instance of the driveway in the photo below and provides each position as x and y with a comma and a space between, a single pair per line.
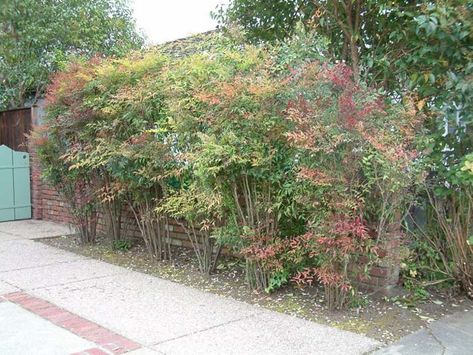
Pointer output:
56, 302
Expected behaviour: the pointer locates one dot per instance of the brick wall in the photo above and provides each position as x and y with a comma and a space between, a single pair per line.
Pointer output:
130, 229
46, 203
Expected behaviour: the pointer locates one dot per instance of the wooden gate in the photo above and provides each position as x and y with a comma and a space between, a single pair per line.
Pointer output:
15, 195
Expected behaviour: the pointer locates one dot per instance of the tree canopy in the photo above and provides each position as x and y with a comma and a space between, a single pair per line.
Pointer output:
373, 36
37, 35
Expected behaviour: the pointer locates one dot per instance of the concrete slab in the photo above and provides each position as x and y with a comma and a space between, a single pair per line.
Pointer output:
60, 273
269, 333
455, 333
6, 288
163, 316
461, 321
22, 332
6, 237
419, 343
33, 229
21, 254
450, 335
144, 308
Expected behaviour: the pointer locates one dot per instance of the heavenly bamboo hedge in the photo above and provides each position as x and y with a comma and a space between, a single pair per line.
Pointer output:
270, 152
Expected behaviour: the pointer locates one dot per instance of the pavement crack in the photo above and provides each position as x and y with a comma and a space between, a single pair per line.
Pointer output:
203, 330
40, 266
11, 234
10, 284
431, 333
77, 281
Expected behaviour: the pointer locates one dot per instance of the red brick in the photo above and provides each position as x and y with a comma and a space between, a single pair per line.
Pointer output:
120, 346
128, 344
86, 329
35, 304
60, 316
379, 271
94, 351
97, 334
49, 311
73, 322
16, 296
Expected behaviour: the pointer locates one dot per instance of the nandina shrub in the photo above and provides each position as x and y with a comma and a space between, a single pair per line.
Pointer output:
264, 266
199, 211
106, 123
357, 166
298, 170
127, 144
227, 112
142, 175
330, 254
75, 187
58, 138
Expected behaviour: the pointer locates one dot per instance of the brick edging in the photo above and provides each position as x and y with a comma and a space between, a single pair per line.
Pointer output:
82, 327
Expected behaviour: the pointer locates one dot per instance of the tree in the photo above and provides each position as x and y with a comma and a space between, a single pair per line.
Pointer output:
371, 35
36, 36
359, 30
439, 69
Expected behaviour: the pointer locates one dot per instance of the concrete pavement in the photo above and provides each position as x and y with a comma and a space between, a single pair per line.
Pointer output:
452, 335
159, 315
23, 332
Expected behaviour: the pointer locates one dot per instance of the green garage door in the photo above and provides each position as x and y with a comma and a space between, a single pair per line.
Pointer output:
15, 198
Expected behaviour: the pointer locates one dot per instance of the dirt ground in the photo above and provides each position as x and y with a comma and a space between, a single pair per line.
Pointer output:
385, 319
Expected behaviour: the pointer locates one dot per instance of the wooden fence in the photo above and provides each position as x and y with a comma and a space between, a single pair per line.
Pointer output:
14, 126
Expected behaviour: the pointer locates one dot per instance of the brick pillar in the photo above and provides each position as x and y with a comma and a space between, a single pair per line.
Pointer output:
36, 186
37, 113
384, 275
